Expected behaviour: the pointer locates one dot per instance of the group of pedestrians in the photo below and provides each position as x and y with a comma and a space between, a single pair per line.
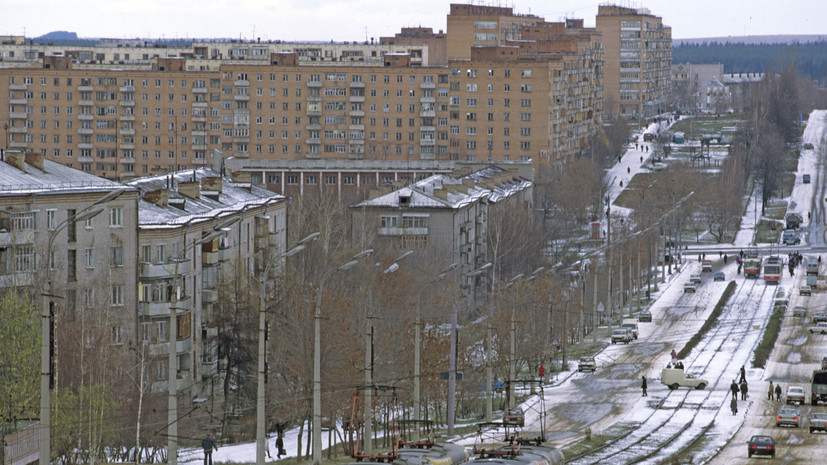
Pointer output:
776, 391
736, 387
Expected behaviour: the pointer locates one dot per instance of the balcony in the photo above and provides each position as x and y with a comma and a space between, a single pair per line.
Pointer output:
241, 97
15, 130
18, 86
127, 88
155, 309
209, 296
208, 370
165, 270
18, 145
427, 85
83, 159
86, 103
357, 98
85, 131
23, 236
242, 83
17, 279
127, 132
199, 104
199, 90
403, 231
18, 115
314, 83
209, 258
127, 117
127, 103
358, 85
86, 117
18, 101
126, 146
225, 254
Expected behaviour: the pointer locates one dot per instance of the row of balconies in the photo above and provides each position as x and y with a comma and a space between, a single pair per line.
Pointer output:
155, 309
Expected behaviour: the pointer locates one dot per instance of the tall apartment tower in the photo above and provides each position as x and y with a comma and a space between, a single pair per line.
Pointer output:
479, 25
638, 56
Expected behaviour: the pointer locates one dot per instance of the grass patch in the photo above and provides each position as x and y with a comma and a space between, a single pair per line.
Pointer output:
709, 323
698, 126
762, 352
764, 234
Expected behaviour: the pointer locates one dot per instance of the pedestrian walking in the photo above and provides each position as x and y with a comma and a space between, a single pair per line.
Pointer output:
819, 260
744, 390
542, 372
208, 444
280, 440
743, 374
769, 393
733, 405
628, 169
778, 391
739, 269
643, 386
641, 158
724, 259
674, 357
734, 388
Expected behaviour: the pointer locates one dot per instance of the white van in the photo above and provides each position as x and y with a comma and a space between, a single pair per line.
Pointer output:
674, 378
631, 325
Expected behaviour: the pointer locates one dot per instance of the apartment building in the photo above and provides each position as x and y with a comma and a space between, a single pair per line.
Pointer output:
480, 25
638, 60
196, 231
90, 262
690, 82
533, 94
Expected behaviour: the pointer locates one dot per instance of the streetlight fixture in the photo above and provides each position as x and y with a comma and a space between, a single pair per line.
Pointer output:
317, 356
261, 441
45, 319
452, 368
368, 447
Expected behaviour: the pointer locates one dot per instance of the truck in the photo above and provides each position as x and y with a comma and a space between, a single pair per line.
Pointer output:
812, 269
674, 378
818, 386
631, 325
792, 220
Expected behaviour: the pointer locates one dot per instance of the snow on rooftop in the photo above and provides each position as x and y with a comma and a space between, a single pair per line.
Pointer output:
208, 205
53, 178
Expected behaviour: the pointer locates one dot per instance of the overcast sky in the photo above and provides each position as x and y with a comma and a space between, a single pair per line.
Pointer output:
340, 20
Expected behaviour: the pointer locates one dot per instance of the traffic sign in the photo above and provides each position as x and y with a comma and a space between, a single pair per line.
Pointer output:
444, 375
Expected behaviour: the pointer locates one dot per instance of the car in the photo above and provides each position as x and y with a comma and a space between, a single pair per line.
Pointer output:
719, 276
790, 237
621, 335
695, 278
805, 290
799, 311
808, 146
586, 364
514, 416
824, 363
761, 445
818, 421
645, 315
674, 378
689, 287
805, 178
787, 416
795, 395
820, 328
706, 265
819, 317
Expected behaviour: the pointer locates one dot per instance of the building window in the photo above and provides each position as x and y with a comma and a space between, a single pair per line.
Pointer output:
51, 219
389, 221
292, 179
330, 180
116, 297
117, 335
116, 217
90, 258
117, 255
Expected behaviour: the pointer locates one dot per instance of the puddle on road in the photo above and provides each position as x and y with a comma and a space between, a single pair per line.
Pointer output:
793, 357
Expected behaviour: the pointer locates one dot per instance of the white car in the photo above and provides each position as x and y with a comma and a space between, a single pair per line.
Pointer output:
690, 287
695, 278
820, 328
795, 395
805, 290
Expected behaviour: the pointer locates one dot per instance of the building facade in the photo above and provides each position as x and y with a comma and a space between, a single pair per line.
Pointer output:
638, 57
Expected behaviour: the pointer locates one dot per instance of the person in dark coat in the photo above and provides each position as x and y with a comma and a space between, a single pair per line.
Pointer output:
778, 391
744, 390
280, 440
733, 405
743, 375
769, 393
208, 444
643, 386
734, 388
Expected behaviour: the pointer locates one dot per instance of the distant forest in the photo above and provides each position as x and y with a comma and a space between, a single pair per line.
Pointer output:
810, 58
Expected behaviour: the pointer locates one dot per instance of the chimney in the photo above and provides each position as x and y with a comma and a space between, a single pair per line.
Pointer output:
35, 159
191, 189
159, 197
16, 159
440, 193
212, 183
241, 177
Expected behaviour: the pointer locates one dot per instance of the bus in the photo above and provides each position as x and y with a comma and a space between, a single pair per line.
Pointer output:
772, 270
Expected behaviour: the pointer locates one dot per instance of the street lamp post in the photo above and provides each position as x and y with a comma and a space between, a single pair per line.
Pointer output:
45, 319
452, 364
368, 447
261, 417
317, 356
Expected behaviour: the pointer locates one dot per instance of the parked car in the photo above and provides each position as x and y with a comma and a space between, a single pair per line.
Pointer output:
806, 178
645, 315
819, 317
621, 335
689, 287
695, 278
787, 416
795, 395
719, 276
674, 378
514, 416
805, 290
800, 311
761, 445
586, 364
820, 328
818, 421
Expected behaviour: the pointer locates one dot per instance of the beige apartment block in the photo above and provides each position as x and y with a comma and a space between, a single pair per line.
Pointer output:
479, 25
638, 57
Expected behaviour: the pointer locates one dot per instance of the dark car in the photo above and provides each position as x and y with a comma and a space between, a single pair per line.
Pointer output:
514, 416
761, 445
645, 315
818, 317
